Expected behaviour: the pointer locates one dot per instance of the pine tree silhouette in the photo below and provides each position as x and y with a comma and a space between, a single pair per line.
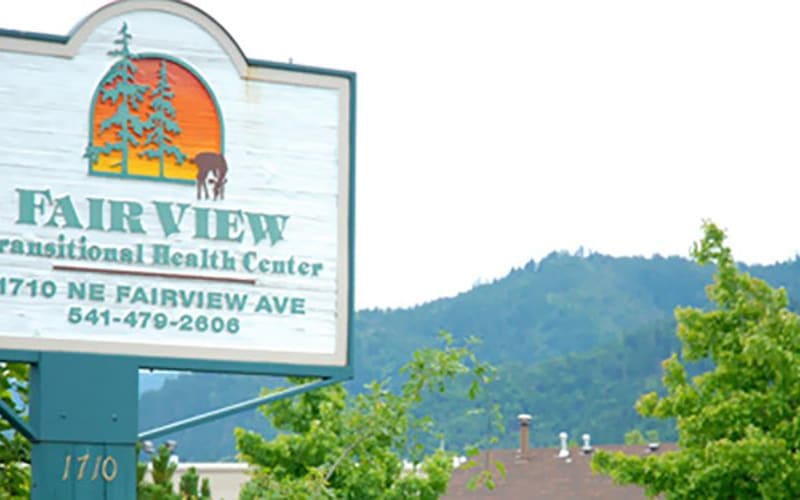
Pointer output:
119, 87
161, 124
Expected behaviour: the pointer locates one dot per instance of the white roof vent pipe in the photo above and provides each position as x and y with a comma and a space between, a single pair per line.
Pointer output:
564, 451
586, 449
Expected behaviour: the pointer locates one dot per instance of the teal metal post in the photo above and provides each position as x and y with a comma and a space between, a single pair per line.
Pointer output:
83, 412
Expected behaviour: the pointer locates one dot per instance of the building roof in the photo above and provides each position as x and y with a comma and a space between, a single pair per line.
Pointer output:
543, 475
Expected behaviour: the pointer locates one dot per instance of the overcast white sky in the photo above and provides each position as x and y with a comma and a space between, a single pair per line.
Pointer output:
490, 133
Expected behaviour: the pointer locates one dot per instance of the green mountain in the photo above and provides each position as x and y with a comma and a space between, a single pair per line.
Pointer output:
576, 340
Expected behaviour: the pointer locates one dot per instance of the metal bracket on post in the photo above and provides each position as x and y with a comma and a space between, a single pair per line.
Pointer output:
16, 421
236, 408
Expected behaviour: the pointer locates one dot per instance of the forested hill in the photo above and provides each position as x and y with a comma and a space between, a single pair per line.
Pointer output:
576, 339
563, 304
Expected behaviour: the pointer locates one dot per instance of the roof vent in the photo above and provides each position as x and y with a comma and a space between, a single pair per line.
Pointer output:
586, 449
524, 434
564, 452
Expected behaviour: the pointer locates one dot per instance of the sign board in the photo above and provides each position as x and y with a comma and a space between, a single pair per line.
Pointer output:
165, 198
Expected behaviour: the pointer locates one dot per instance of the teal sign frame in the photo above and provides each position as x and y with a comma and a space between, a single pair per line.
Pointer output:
83, 413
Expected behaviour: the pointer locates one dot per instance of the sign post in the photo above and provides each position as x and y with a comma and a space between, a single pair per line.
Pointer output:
167, 203
84, 413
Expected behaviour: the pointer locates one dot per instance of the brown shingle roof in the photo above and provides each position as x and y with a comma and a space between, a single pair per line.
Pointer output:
543, 475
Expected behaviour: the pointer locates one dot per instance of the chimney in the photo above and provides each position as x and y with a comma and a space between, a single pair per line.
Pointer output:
524, 434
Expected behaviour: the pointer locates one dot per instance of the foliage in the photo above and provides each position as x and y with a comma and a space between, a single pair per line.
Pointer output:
14, 448
738, 423
652, 436
190, 488
162, 471
634, 437
332, 446
494, 429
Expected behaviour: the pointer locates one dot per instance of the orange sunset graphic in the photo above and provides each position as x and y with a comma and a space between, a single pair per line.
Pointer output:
152, 117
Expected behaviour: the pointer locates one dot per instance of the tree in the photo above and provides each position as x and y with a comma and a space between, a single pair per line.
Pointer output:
190, 487
119, 87
332, 446
634, 437
15, 452
738, 422
161, 124
162, 470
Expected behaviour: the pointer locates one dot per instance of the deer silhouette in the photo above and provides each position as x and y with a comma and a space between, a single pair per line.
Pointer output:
209, 163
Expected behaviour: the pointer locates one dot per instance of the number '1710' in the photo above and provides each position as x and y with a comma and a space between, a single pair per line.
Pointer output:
105, 467
28, 288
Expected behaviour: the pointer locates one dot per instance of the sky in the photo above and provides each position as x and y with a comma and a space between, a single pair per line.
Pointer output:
493, 133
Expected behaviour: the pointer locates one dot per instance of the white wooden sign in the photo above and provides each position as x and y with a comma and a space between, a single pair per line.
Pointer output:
164, 197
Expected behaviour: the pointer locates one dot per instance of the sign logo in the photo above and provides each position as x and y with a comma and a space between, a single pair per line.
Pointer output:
154, 117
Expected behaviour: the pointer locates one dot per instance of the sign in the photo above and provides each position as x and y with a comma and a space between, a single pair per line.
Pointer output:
167, 199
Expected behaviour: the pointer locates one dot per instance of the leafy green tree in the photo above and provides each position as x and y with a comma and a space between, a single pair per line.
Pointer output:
634, 437
205, 489
190, 488
119, 87
332, 446
161, 124
14, 448
739, 422
162, 470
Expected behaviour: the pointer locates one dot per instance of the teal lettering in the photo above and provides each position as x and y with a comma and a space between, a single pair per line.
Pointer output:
236, 302
97, 292
66, 210
214, 300
161, 254
126, 256
187, 298
30, 204
201, 223
96, 214
263, 226
76, 290
298, 306
139, 295
126, 213
228, 222
280, 303
264, 305
167, 218
169, 297
248, 261
123, 292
